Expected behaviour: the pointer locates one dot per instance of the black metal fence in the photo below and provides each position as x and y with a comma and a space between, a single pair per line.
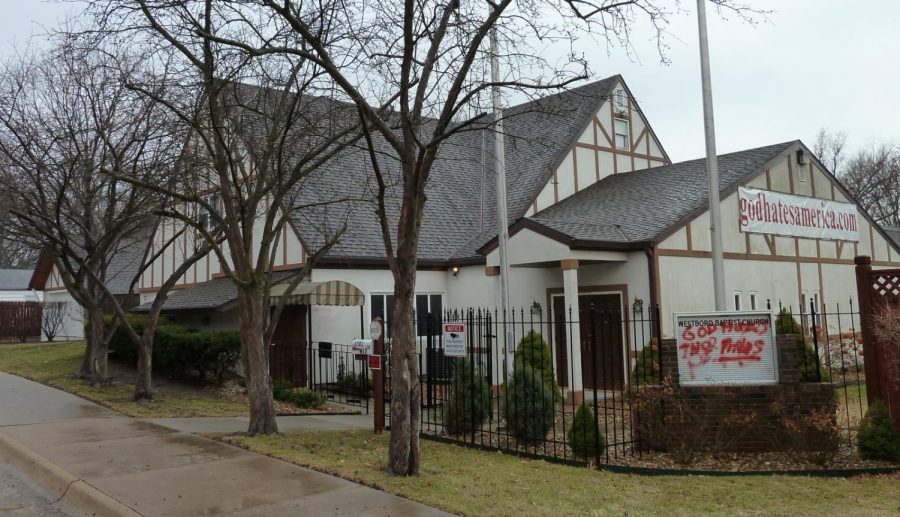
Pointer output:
340, 374
831, 351
586, 392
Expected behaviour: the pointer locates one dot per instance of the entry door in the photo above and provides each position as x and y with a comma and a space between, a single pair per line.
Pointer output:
600, 323
601, 333
287, 360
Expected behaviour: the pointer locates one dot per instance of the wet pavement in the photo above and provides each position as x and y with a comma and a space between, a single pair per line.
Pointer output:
158, 470
285, 423
20, 497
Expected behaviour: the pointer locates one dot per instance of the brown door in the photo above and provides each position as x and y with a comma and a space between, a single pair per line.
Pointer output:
602, 348
288, 350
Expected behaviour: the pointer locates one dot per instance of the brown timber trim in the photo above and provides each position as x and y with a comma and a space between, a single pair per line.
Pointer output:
621, 151
630, 135
768, 179
690, 242
491, 270
603, 130
821, 289
790, 174
839, 249
555, 186
622, 289
567, 264
575, 166
799, 285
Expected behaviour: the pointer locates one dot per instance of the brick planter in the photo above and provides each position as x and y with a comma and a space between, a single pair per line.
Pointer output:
736, 418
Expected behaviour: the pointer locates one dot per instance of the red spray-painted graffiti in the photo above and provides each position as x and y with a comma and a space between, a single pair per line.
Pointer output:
709, 347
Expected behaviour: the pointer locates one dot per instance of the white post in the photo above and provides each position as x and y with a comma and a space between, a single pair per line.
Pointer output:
502, 222
573, 328
712, 166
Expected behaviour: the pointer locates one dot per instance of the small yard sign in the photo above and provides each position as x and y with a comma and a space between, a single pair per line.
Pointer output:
362, 347
455, 339
374, 362
726, 348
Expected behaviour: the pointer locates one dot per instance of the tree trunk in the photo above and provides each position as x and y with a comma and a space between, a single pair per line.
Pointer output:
143, 387
403, 456
85, 371
255, 358
98, 373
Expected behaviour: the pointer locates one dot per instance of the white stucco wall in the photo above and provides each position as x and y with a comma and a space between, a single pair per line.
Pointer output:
73, 328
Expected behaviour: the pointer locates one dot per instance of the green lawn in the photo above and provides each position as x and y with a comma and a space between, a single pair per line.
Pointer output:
56, 364
472, 482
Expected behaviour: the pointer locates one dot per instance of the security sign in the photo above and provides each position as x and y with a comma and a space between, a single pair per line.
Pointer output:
455, 339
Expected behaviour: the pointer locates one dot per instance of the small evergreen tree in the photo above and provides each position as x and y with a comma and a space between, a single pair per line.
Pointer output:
534, 352
530, 404
806, 354
470, 400
877, 437
647, 366
583, 437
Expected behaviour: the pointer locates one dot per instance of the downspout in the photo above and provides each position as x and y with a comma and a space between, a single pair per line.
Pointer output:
652, 271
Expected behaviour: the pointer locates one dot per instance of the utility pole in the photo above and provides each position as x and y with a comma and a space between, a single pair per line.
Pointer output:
712, 165
502, 222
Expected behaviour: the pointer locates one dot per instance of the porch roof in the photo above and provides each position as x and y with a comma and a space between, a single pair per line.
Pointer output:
332, 292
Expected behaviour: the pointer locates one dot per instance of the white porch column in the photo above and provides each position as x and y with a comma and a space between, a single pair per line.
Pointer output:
573, 330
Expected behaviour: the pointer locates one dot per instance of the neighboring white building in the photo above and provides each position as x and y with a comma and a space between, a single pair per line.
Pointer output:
14, 286
600, 220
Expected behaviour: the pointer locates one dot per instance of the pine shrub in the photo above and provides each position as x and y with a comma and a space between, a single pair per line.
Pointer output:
535, 353
282, 389
877, 438
647, 366
307, 398
806, 353
470, 400
530, 404
583, 435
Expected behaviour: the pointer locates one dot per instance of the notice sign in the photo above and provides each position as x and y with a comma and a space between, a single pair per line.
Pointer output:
726, 348
455, 339
764, 211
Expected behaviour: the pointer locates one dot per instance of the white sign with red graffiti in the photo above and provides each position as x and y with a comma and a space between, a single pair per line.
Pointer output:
726, 348
764, 211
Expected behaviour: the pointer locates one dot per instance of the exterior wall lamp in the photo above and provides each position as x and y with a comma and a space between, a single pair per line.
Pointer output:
455, 270
536, 310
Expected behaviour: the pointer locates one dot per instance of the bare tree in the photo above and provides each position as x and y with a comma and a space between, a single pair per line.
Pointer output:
259, 129
68, 128
53, 317
415, 71
829, 147
872, 175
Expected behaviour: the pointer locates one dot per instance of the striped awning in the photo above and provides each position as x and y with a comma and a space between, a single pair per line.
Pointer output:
332, 292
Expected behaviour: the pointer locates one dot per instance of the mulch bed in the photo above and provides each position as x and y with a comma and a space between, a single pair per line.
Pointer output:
233, 391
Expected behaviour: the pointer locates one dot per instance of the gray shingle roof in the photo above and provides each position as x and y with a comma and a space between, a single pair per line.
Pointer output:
460, 212
15, 279
640, 206
213, 294
894, 233
124, 265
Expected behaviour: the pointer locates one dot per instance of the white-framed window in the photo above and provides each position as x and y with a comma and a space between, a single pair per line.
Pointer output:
621, 103
811, 299
753, 303
382, 304
738, 306
621, 132
206, 218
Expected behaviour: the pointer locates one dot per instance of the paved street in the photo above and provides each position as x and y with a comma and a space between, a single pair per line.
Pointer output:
19, 496
132, 465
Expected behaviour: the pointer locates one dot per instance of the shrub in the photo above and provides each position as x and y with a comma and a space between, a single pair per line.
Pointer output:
282, 389
179, 351
806, 354
877, 438
812, 437
647, 366
307, 398
583, 435
356, 383
530, 404
535, 353
470, 400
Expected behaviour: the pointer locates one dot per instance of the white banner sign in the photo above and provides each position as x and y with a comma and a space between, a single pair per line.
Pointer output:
455, 339
726, 348
764, 211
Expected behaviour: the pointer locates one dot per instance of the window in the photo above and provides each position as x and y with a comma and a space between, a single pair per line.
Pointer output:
816, 301
620, 102
206, 218
383, 305
621, 129
753, 305
737, 301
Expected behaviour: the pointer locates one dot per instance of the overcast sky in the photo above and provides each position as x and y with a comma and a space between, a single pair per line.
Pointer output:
810, 64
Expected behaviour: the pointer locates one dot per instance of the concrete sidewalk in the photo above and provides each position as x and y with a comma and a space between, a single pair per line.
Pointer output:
238, 424
107, 464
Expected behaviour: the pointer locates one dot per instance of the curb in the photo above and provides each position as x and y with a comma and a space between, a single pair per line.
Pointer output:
63, 485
